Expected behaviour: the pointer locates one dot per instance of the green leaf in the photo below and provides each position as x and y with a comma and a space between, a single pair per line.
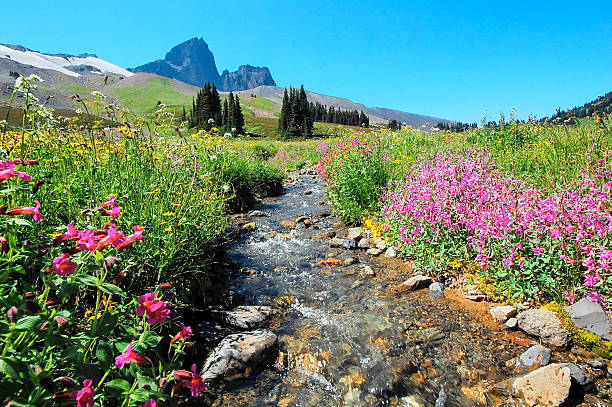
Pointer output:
151, 339
141, 395
28, 323
112, 289
104, 353
88, 280
99, 256
119, 384
18, 221
7, 368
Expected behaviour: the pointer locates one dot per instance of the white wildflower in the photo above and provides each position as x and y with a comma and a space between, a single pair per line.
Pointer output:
233, 129
226, 188
212, 157
210, 121
227, 135
98, 95
78, 111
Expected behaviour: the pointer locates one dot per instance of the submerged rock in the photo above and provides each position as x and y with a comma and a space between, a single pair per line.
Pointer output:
589, 315
235, 352
547, 386
545, 325
425, 335
246, 316
336, 242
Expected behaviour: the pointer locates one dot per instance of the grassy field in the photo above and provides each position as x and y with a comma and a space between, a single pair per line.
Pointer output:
143, 99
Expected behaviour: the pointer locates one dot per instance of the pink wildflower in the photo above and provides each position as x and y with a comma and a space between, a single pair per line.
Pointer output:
137, 235
130, 356
155, 309
595, 297
27, 210
184, 333
571, 298
7, 170
62, 266
110, 202
590, 280
149, 403
84, 397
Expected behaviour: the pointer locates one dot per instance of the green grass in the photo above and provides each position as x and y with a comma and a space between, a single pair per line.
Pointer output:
143, 99
261, 103
72, 88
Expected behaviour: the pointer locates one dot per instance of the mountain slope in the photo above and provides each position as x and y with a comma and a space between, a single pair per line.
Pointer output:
67, 64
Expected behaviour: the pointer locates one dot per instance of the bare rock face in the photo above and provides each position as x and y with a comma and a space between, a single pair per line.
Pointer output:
547, 386
502, 313
545, 325
590, 315
235, 352
246, 316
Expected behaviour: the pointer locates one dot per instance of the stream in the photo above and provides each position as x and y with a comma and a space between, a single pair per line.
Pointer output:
343, 338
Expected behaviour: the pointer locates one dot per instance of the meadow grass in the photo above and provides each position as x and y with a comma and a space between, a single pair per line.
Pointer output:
143, 99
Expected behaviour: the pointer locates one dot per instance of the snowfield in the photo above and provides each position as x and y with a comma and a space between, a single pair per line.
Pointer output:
58, 63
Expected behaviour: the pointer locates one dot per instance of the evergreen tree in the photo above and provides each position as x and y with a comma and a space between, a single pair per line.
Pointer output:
238, 117
231, 123
206, 106
225, 116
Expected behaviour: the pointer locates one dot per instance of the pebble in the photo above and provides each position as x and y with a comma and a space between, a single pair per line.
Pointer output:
511, 323
368, 271
349, 261
596, 364
535, 355
436, 291
349, 244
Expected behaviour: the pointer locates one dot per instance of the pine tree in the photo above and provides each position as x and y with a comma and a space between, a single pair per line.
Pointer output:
225, 116
238, 117
231, 115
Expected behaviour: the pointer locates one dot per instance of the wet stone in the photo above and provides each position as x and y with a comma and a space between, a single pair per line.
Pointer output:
416, 282
354, 234
246, 316
425, 335
535, 355
349, 244
257, 214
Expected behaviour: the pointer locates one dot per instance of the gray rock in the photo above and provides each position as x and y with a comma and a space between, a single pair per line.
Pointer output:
596, 364
502, 313
365, 243
374, 251
354, 234
390, 252
336, 242
535, 355
246, 316
590, 315
545, 325
511, 323
577, 374
436, 291
547, 386
257, 214
425, 335
416, 282
380, 244
235, 352
349, 244
368, 271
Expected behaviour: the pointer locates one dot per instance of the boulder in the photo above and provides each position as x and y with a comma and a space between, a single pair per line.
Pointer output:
354, 234
349, 244
535, 355
390, 252
374, 251
543, 324
246, 316
365, 243
590, 315
502, 313
257, 214
547, 386
578, 375
416, 282
511, 323
235, 352
436, 291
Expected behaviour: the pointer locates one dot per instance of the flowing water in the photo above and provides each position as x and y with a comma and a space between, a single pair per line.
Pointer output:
344, 340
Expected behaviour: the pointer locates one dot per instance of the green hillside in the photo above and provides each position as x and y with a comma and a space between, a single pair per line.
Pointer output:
143, 99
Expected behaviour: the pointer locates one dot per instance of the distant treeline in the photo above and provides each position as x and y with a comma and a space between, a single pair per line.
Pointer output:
603, 105
457, 126
325, 114
207, 105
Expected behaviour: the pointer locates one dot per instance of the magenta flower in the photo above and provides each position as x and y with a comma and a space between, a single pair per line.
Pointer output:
185, 333
571, 298
115, 212
137, 235
130, 356
154, 308
7, 170
595, 297
85, 396
149, 403
110, 202
590, 280
28, 210
62, 266
537, 250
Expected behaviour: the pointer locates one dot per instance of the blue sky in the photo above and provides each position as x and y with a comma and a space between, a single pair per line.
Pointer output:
450, 59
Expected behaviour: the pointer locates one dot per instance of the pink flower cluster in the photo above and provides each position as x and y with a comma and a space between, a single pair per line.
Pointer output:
154, 308
505, 222
92, 240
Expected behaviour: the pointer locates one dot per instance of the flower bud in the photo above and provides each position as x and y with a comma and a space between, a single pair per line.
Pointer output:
109, 262
162, 382
4, 245
62, 216
12, 314
61, 320
51, 303
2, 209
44, 325
37, 185
165, 286
67, 382
30, 294
182, 375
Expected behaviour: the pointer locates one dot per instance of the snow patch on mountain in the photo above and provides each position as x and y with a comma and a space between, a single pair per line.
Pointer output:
59, 63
